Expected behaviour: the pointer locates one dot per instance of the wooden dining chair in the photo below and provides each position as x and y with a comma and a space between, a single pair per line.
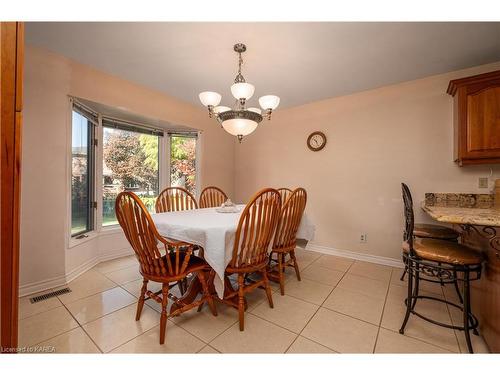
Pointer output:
175, 199
253, 236
284, 193
161, 260
212, 196
285, 238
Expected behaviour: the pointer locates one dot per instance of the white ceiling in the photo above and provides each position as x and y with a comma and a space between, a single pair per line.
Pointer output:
300, 62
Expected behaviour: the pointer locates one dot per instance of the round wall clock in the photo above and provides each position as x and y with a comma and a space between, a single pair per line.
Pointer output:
316, 141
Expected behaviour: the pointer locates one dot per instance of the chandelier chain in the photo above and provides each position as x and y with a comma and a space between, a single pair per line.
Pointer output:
239, 77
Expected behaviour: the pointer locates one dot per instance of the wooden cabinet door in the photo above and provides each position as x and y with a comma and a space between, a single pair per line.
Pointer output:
477, 118
483, 122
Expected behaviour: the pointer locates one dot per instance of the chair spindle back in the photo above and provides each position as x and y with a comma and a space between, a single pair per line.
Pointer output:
289, 221
409, 216
284, 193
175, 199
144, 238
212, 196
255, 230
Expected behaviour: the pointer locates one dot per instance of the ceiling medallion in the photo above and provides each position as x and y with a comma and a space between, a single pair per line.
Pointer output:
239, 120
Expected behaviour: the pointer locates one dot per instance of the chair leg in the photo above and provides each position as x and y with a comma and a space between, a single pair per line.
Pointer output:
140, 304
457, 288
268, 288
270, 259
180, 285
206, 293
280, 271
416, 287
467, 311
403, 275
295, 264
409, 298
163, 317
241, 301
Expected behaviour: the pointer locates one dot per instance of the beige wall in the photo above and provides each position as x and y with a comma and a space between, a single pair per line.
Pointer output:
49, 79
376, 140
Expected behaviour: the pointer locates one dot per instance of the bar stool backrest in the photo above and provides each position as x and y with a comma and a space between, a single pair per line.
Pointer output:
409, 217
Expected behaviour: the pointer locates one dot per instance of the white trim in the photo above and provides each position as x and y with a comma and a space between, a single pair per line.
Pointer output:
88, 236
99, 155
197, 164
70, 240
354, 255
116, 254
165, 182
163, 167
40, 286
56, 282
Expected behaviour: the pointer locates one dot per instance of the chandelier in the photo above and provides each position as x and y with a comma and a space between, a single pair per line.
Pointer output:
239, 120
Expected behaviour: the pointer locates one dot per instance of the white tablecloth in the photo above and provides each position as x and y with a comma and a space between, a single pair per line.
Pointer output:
214, 232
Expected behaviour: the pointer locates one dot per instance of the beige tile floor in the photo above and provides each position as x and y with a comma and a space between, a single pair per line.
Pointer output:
340, 306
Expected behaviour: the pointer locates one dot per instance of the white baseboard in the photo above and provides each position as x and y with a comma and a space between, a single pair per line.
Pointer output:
357, 256
73, 274
116, 254
60, 281
42, 285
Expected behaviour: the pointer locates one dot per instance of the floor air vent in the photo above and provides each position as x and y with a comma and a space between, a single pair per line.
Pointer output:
43, 297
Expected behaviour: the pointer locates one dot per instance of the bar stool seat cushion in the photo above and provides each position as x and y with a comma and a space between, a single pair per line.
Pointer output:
434, 231
444, 252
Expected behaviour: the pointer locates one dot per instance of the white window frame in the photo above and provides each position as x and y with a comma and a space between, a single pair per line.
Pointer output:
163, 172
87, 236
198, 155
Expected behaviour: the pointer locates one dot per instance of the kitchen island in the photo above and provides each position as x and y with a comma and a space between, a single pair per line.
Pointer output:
480, 230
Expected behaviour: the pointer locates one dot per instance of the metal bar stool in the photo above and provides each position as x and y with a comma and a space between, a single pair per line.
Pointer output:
445, 261
436, 232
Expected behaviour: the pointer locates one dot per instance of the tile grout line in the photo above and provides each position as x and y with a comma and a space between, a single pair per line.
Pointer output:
121, 308
83, 329
319, 307
382, 315
237, 322
451, 320
418, 338
95, 268
208, 342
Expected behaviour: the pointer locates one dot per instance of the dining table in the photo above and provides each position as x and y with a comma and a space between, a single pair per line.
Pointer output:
214, 231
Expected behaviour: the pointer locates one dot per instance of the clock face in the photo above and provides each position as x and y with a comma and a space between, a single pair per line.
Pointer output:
316, 141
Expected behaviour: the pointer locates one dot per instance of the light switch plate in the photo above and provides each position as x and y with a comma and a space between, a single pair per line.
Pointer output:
483, 182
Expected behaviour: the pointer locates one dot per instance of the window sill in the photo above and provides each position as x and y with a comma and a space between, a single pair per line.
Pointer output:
111, 229
74, 242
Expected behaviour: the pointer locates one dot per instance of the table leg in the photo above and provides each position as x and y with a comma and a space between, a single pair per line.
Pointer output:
193, 289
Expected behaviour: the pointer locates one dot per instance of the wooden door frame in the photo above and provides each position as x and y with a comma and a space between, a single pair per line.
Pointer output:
11, 67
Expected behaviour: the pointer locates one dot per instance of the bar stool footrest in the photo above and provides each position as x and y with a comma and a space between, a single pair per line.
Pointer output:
474, 322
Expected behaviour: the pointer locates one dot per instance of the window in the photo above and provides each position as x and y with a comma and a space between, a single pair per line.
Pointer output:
82, 170
130, 163
183, 161
110, 155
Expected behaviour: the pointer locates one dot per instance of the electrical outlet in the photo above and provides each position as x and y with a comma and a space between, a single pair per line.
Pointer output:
483, 182
363, 238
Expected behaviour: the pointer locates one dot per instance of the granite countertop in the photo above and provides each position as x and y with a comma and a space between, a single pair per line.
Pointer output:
464, 215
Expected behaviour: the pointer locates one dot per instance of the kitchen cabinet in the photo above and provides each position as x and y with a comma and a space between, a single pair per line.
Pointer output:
476, 118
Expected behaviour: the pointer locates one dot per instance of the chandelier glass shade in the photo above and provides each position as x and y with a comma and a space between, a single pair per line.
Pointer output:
239, 120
